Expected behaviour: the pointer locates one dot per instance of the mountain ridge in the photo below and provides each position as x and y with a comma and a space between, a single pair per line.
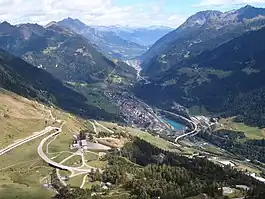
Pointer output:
203, 31
31, 82
226, 81
108, 42
63, 53
117, 41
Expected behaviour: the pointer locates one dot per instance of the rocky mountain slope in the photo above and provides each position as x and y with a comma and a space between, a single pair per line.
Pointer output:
31, 82
202, 31
63, 53
107, 41
227, 80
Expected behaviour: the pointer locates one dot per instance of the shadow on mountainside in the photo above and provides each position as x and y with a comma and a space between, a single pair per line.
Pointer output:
28, 81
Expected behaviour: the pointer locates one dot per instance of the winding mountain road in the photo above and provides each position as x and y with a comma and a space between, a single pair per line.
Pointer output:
192, 133
34, 135
40, 147
55, 164
28, 139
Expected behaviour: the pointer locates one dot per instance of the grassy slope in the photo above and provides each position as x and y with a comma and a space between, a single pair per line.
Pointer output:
22, 169
90, 156
98, 164
72, 127
76, 181
250, 132
159, 142
75, 161
23, 178
20, 117
21, 174
60, 157
95, 96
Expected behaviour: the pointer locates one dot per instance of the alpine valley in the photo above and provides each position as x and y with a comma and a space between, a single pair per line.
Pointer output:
122, 112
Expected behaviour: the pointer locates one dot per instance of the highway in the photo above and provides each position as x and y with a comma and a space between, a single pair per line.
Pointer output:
192, 133
55, 164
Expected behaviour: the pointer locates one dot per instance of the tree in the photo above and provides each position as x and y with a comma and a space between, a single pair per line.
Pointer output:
144, 195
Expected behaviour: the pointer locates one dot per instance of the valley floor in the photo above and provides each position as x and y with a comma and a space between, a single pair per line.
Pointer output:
26, 171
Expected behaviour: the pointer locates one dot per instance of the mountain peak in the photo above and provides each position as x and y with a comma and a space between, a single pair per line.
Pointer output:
247, 7
207, 13
50, 24
74, 24
54, 27
5, 23
202, 17
6, 28
249, 12
71, 20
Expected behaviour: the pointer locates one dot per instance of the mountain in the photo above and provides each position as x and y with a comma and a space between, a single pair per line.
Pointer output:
145, 36
63, 53
31, 82
227, 81
109, 43
203, 31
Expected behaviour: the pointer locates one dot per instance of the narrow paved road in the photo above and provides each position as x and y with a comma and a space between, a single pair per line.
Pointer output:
112, 132
34, 136
83, 182
55, 164
28, 139
94, 127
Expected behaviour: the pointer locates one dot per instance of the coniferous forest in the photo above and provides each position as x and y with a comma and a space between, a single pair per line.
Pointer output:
154, 173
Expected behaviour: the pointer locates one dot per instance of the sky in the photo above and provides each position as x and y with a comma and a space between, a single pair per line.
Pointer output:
138, 13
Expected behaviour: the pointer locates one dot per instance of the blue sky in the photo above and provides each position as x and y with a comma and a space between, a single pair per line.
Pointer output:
186, 8
114, 12
190, 7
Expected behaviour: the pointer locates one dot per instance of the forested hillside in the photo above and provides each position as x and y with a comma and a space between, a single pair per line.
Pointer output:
154, 173
63, 53
227, 81
205, 30
236, 143
24, 79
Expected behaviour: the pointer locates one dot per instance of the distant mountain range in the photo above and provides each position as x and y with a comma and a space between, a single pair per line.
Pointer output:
202, 31
219, 66
145, 36
117, 42
214, 61
73, 51
62, 52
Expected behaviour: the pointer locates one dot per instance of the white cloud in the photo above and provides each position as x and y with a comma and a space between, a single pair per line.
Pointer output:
95, 12
228, 2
